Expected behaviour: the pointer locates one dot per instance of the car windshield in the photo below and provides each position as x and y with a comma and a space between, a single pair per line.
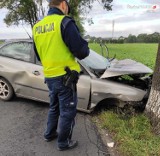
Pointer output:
95, 61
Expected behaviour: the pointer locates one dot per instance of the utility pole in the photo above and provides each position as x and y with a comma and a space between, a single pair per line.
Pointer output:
112, 29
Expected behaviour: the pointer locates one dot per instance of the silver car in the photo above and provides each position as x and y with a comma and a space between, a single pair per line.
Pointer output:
101, 79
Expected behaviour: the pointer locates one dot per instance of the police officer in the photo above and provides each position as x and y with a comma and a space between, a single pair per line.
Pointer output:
57, 42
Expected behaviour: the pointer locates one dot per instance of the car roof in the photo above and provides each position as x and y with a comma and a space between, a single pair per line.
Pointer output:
18, 40
14, 41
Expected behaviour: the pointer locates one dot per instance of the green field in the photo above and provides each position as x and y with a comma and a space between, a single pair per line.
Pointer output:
144, 53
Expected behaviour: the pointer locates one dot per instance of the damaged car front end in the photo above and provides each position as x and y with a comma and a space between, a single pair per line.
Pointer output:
119, 82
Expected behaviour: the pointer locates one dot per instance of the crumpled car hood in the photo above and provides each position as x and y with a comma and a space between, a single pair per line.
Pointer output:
125, 67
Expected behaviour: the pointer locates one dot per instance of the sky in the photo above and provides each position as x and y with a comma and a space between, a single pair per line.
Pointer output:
129, 17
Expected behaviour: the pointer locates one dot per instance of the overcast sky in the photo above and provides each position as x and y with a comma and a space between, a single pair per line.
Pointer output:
130, 17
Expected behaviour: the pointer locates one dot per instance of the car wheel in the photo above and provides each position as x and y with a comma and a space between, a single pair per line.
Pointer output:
6, 90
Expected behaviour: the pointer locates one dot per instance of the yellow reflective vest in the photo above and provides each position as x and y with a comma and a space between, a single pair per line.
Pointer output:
53, 52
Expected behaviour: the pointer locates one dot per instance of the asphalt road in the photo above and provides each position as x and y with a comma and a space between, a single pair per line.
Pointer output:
22, 123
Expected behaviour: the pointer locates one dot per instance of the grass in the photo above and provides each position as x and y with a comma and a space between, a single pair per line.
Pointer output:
1, 42
133, 135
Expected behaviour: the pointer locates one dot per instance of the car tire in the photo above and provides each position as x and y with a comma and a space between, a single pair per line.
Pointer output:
6, 90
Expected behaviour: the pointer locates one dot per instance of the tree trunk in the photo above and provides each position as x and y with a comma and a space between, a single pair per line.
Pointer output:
153, 104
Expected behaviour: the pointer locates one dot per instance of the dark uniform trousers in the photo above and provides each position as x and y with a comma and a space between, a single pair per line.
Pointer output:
62, 111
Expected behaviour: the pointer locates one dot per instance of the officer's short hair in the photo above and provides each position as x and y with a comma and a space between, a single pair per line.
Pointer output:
55, 2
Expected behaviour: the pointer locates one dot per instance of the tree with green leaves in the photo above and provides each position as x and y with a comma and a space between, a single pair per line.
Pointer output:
19, 11
28, 11
141, 38
131, 39
82, 7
